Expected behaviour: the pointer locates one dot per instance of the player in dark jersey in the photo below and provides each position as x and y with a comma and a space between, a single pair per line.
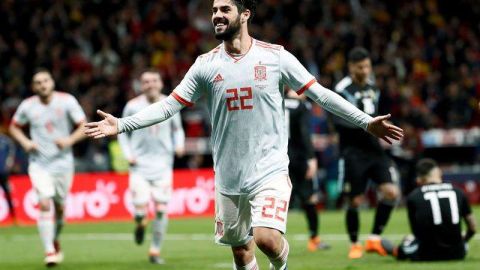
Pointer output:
362, 157
303, 164
435, 212
7, 152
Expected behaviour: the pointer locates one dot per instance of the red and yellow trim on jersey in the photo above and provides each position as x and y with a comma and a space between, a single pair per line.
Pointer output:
306, 86
182, 100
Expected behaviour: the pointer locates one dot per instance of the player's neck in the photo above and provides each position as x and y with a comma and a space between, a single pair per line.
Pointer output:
153, 99
46, 100
240, 44
358, 82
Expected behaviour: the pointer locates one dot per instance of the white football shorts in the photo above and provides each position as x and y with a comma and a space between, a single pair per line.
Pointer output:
237, 215
143, 189
50, 185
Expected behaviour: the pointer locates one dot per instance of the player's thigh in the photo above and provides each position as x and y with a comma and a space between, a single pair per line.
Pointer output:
385, 175
161, 188
62, 183
353, 174
42, 182
270, 203
232, 219
139, 189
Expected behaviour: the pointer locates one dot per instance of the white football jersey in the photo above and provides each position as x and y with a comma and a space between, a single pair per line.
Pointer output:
152, 148
245, 98
47, 123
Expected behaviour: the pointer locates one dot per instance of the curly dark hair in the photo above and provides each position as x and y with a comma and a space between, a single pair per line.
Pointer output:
243, 5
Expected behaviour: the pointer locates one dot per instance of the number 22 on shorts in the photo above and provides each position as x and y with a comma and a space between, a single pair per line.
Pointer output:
274, 208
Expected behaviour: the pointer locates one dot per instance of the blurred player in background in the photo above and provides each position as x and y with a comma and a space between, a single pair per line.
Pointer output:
242, 80
150, 154
362, 156
435, 211
7, 154
303, 163
51, 116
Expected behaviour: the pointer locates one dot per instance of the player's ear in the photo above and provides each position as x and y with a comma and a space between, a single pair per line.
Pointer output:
245, 16
419, 181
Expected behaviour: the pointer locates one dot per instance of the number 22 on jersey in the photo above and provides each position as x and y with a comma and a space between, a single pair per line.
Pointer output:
239, 99
434, 199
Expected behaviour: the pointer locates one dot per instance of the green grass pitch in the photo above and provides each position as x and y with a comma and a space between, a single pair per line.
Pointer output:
189, 245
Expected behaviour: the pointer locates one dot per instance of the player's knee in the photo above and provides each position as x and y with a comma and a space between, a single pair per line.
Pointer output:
391, 193
268, 240
44, 205
356, 201
242, 254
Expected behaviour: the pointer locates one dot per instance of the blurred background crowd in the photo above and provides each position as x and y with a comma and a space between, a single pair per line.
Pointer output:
426, 60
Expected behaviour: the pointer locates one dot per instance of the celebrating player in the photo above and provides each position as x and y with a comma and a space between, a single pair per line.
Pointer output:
150, 154
243, 81
362, 157
51, 116
303, 164
435, 212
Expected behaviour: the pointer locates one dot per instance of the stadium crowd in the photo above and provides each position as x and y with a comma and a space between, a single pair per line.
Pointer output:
426, 54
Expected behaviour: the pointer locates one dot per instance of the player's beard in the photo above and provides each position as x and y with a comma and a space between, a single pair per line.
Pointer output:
231, 31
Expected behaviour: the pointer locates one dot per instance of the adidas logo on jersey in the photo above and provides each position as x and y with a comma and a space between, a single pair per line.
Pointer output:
218, 78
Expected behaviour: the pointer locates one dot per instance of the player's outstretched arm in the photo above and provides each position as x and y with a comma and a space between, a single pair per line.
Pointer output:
337, 105
151, 115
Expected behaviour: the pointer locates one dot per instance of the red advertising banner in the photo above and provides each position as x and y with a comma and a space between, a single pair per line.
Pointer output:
105, 196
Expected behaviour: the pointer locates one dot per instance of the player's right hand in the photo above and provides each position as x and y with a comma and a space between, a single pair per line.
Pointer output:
30, 147
107, 127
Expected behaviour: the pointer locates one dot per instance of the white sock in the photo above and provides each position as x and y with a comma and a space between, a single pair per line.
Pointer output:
159, 228
250, 266
280, 262
46, 228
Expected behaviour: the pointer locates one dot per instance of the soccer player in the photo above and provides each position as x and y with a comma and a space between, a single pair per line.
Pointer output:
303, 163
362, 156
242, 80
7, 153
150, 154
51, 117
435, 212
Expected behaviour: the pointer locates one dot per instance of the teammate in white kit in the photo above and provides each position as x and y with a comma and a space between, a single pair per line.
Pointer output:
150, 153
243, 81
51, 117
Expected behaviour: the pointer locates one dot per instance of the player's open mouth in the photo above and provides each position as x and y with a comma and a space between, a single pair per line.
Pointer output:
219, 26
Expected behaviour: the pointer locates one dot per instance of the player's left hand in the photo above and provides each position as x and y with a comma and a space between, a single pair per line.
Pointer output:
107, 127
63, 143
382, 129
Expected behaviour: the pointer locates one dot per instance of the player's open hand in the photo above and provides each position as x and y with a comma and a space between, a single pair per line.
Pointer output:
384, 130
107, 127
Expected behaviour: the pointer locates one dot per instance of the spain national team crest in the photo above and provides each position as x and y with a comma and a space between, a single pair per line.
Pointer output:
260, 73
